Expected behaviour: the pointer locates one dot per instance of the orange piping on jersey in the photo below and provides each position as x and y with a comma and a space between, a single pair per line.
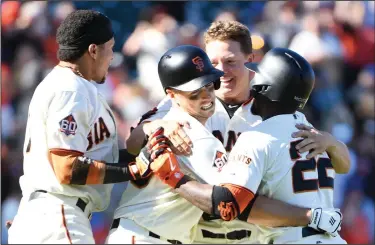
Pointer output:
133, 239
242, 195
248, 101
64, 224
96, 173
62, 151
62, 163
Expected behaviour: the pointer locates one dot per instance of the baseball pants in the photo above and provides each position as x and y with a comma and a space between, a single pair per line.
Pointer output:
126, 231
50, 218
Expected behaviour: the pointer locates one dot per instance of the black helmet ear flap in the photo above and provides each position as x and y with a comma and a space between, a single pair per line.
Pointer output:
217, 84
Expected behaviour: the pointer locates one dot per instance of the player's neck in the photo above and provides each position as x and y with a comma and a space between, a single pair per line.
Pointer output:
79, 68
202, 120
238, 99
268, 114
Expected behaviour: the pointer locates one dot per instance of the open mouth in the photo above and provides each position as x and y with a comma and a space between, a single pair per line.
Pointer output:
207, 106
226, 80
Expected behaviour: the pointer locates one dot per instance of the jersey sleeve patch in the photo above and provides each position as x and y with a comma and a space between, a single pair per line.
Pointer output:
68, 125
220, 160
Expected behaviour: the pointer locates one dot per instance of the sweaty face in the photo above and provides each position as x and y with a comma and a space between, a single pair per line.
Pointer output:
199, 103
228, 57
104, 58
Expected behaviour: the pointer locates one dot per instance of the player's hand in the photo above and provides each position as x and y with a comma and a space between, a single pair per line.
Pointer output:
157, 145
166, 168
315, 142
326, 220
174, 131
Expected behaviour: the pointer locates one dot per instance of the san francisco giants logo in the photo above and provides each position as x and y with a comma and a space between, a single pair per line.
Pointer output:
199, 62
227, 211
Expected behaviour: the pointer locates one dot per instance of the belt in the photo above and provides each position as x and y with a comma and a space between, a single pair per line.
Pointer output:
80, 203
116, 223
233, 235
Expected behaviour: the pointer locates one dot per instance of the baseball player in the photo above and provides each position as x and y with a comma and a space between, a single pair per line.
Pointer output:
70, 150
148, 211
228, 44
265, 160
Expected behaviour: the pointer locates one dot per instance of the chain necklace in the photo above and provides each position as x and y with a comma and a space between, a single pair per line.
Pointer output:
75, 71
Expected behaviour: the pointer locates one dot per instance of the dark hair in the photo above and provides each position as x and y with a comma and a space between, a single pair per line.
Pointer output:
80, 29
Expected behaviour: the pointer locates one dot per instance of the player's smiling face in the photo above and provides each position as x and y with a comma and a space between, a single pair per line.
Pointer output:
228, 57
200, 103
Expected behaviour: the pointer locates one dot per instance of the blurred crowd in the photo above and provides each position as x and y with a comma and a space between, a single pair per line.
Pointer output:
338, 38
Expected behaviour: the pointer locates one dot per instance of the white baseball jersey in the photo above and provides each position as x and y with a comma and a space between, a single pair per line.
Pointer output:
227, 130
277, 170
155, 207
67, 112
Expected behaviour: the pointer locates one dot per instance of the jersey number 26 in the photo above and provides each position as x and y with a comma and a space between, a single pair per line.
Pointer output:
300, 184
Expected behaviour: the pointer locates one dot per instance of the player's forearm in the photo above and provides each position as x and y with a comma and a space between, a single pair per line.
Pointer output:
126, 156
138, 137
76, 169
226, 202
101, 173
136, 140
340, 157
198, 194
275, 213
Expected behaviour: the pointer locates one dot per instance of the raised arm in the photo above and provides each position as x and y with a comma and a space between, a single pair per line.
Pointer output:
317, 142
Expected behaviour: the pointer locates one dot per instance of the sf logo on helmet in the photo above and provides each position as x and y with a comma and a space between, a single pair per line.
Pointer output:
199, 63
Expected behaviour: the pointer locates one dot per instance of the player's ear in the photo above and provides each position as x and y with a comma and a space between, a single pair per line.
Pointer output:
170, 93
93, 51
250, 57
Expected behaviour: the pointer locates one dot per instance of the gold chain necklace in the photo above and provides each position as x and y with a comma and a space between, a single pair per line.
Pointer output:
75, 71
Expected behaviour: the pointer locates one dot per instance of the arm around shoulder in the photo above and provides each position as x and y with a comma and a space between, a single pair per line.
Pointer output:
340, 157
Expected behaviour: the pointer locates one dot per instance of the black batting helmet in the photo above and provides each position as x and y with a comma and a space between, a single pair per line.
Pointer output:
283, 76
187, 68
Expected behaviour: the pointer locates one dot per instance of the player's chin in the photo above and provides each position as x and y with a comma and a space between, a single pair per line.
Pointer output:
208, 112
102, 80
227, 90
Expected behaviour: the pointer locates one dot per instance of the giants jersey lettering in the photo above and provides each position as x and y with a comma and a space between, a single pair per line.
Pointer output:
265, 161
155, 206
67, 112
